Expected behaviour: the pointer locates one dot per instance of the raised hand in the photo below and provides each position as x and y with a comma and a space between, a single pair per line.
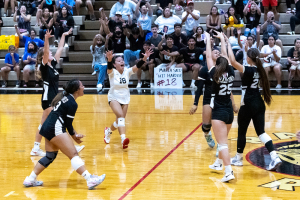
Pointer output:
48, 34
239, 31
68, 32
193, 109
258, 29
109, 56
219, 34
147, 54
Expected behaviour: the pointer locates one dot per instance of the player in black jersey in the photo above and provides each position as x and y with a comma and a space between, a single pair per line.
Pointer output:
253, 106
222, 104
56, 138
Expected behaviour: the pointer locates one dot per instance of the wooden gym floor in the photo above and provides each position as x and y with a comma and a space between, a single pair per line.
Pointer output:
167, 157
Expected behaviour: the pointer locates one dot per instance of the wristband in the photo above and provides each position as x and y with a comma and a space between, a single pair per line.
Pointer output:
140, 64
109, 65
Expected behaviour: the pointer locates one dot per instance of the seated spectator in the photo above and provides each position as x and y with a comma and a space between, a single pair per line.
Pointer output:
161, 5
266, 4
190, 17
253, 17
199, 38
144, 15
46, 23
180, 40
229, 25
29, 61
295, 19
89, 6
136, 39
191, 56
291, 61
64, 23
99, 61
167, 21
26, 39
213, 20
116, 40
235, 42
167, 61
31, 6
68, 4
107, 26
11, 64
148, 65
272, 55
271, 27
50, 5
125, 7
248, 44
23, 21
13, 3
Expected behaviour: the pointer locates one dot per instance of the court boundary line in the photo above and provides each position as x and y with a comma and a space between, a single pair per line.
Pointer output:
159, 163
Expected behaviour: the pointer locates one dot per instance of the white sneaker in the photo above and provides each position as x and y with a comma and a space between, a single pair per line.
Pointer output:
228, 2
216, 166
217, 2
139, 85
4, 15
236, 161
151, 85
125, 143
95, 181
228, 177
193, 86
79, 148
99, 87
274, 164
94, 73
107, 135
278, 86
183, 84
210, 141
37, 153
56, 43
31, 183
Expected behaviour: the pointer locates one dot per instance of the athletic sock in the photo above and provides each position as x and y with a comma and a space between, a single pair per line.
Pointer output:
123, 136
32, 176
228, 169
273, 155
36, 146
86, 175
193, 81
220, 161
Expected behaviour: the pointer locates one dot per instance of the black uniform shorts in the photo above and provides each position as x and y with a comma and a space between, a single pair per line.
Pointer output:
223, 112
46, 104
52, 127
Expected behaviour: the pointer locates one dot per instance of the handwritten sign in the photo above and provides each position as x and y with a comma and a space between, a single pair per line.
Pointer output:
167, 79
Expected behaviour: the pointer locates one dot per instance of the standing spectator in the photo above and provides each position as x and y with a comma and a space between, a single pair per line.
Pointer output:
236, 20
117, 40
125, 7
64, 23
50, 5
252, 17
26, 39
167, 21
295, 19
144, 15
190, 17
199, 39
267, 4
155, 38
99, 61
291, 61
161, 5
110, 25
180, 40
272, 55
29, 60
167, 61
213, 20
23, 21
69, 4
11, 64
271, 27
13, 3
136, 39
89, 6
46, 23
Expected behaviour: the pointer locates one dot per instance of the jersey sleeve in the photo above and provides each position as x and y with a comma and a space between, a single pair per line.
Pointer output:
54, 63
70, 117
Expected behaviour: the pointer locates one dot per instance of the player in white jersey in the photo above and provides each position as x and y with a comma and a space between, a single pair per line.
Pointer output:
118, 95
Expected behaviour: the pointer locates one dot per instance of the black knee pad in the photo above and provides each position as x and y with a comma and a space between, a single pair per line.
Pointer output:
48, 159
206, 127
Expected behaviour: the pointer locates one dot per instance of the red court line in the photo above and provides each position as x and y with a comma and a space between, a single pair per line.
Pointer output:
162, 160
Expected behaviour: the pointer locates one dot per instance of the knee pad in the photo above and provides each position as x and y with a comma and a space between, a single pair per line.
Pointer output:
222, 146
40, 126
76, 162
115, 124
121, 121
48, 159
206, 127
264, 138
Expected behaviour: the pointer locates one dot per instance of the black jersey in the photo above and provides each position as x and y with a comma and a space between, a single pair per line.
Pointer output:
61, 117
203, 79
50, 78
250, 83
221, 91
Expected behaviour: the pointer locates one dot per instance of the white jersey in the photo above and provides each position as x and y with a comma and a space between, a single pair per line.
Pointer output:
119, 86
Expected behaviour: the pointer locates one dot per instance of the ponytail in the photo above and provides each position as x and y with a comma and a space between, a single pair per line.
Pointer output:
221, 67
39, 59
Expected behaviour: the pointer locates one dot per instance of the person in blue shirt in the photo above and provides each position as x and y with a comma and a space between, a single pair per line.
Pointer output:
29, 60
11, 64
69, 4
27, 40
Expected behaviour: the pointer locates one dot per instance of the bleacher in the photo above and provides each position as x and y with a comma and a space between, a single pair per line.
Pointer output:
76, 59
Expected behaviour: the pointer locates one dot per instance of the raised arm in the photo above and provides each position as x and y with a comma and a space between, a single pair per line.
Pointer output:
141, 29
61, 44
18, 32
46, 47
245, 11
137, 9
26, 18
159, 46
232, 60
257, 36
109, 56
150, 10
141, 62
208, 51
15, 16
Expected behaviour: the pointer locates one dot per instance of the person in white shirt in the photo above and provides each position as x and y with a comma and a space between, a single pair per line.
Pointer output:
144, 15
119, 95
190, 17
166, 21
125, 7
272, 54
